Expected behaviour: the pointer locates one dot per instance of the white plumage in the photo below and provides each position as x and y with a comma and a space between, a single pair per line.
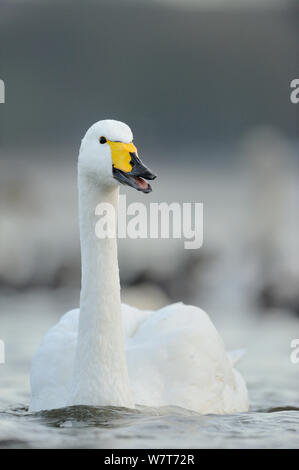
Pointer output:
113, 354
175, 357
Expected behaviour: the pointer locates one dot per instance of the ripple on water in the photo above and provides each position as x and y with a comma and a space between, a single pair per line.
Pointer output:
171, 427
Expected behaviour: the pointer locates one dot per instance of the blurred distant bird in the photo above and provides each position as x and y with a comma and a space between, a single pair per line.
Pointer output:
112, 354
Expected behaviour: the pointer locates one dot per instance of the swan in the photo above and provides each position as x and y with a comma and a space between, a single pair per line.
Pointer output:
109, 354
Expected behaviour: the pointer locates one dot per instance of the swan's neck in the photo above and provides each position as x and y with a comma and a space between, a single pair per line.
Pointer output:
100, 373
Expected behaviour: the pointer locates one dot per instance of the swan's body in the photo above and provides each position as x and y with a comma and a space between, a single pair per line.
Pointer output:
112, 354
175, 357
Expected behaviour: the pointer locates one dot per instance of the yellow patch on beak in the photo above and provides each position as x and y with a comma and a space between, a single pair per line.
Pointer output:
121, 157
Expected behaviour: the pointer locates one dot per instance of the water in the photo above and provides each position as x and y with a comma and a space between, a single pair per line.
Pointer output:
108, 427
272, 422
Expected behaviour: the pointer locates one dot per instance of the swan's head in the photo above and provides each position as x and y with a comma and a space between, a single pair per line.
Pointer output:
107, 154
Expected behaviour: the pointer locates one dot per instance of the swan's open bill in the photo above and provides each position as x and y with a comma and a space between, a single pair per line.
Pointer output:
124, 157
106, 353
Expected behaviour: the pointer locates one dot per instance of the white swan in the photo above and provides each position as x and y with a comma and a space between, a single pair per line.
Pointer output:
113, 354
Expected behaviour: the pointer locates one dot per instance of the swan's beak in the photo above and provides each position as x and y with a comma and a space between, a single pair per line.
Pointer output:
128, 168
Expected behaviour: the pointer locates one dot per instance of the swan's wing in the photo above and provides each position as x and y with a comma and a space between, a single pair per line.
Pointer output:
133, 318
52, 364
177, 357
236, 355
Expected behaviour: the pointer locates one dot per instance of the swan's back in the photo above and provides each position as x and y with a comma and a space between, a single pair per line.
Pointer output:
179, 355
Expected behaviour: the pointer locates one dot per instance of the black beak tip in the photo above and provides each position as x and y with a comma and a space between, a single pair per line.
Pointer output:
148, 190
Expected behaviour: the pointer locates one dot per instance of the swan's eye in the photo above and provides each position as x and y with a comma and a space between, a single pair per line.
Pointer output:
102, 140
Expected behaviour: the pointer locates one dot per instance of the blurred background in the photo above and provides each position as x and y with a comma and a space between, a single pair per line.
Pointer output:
205, 87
